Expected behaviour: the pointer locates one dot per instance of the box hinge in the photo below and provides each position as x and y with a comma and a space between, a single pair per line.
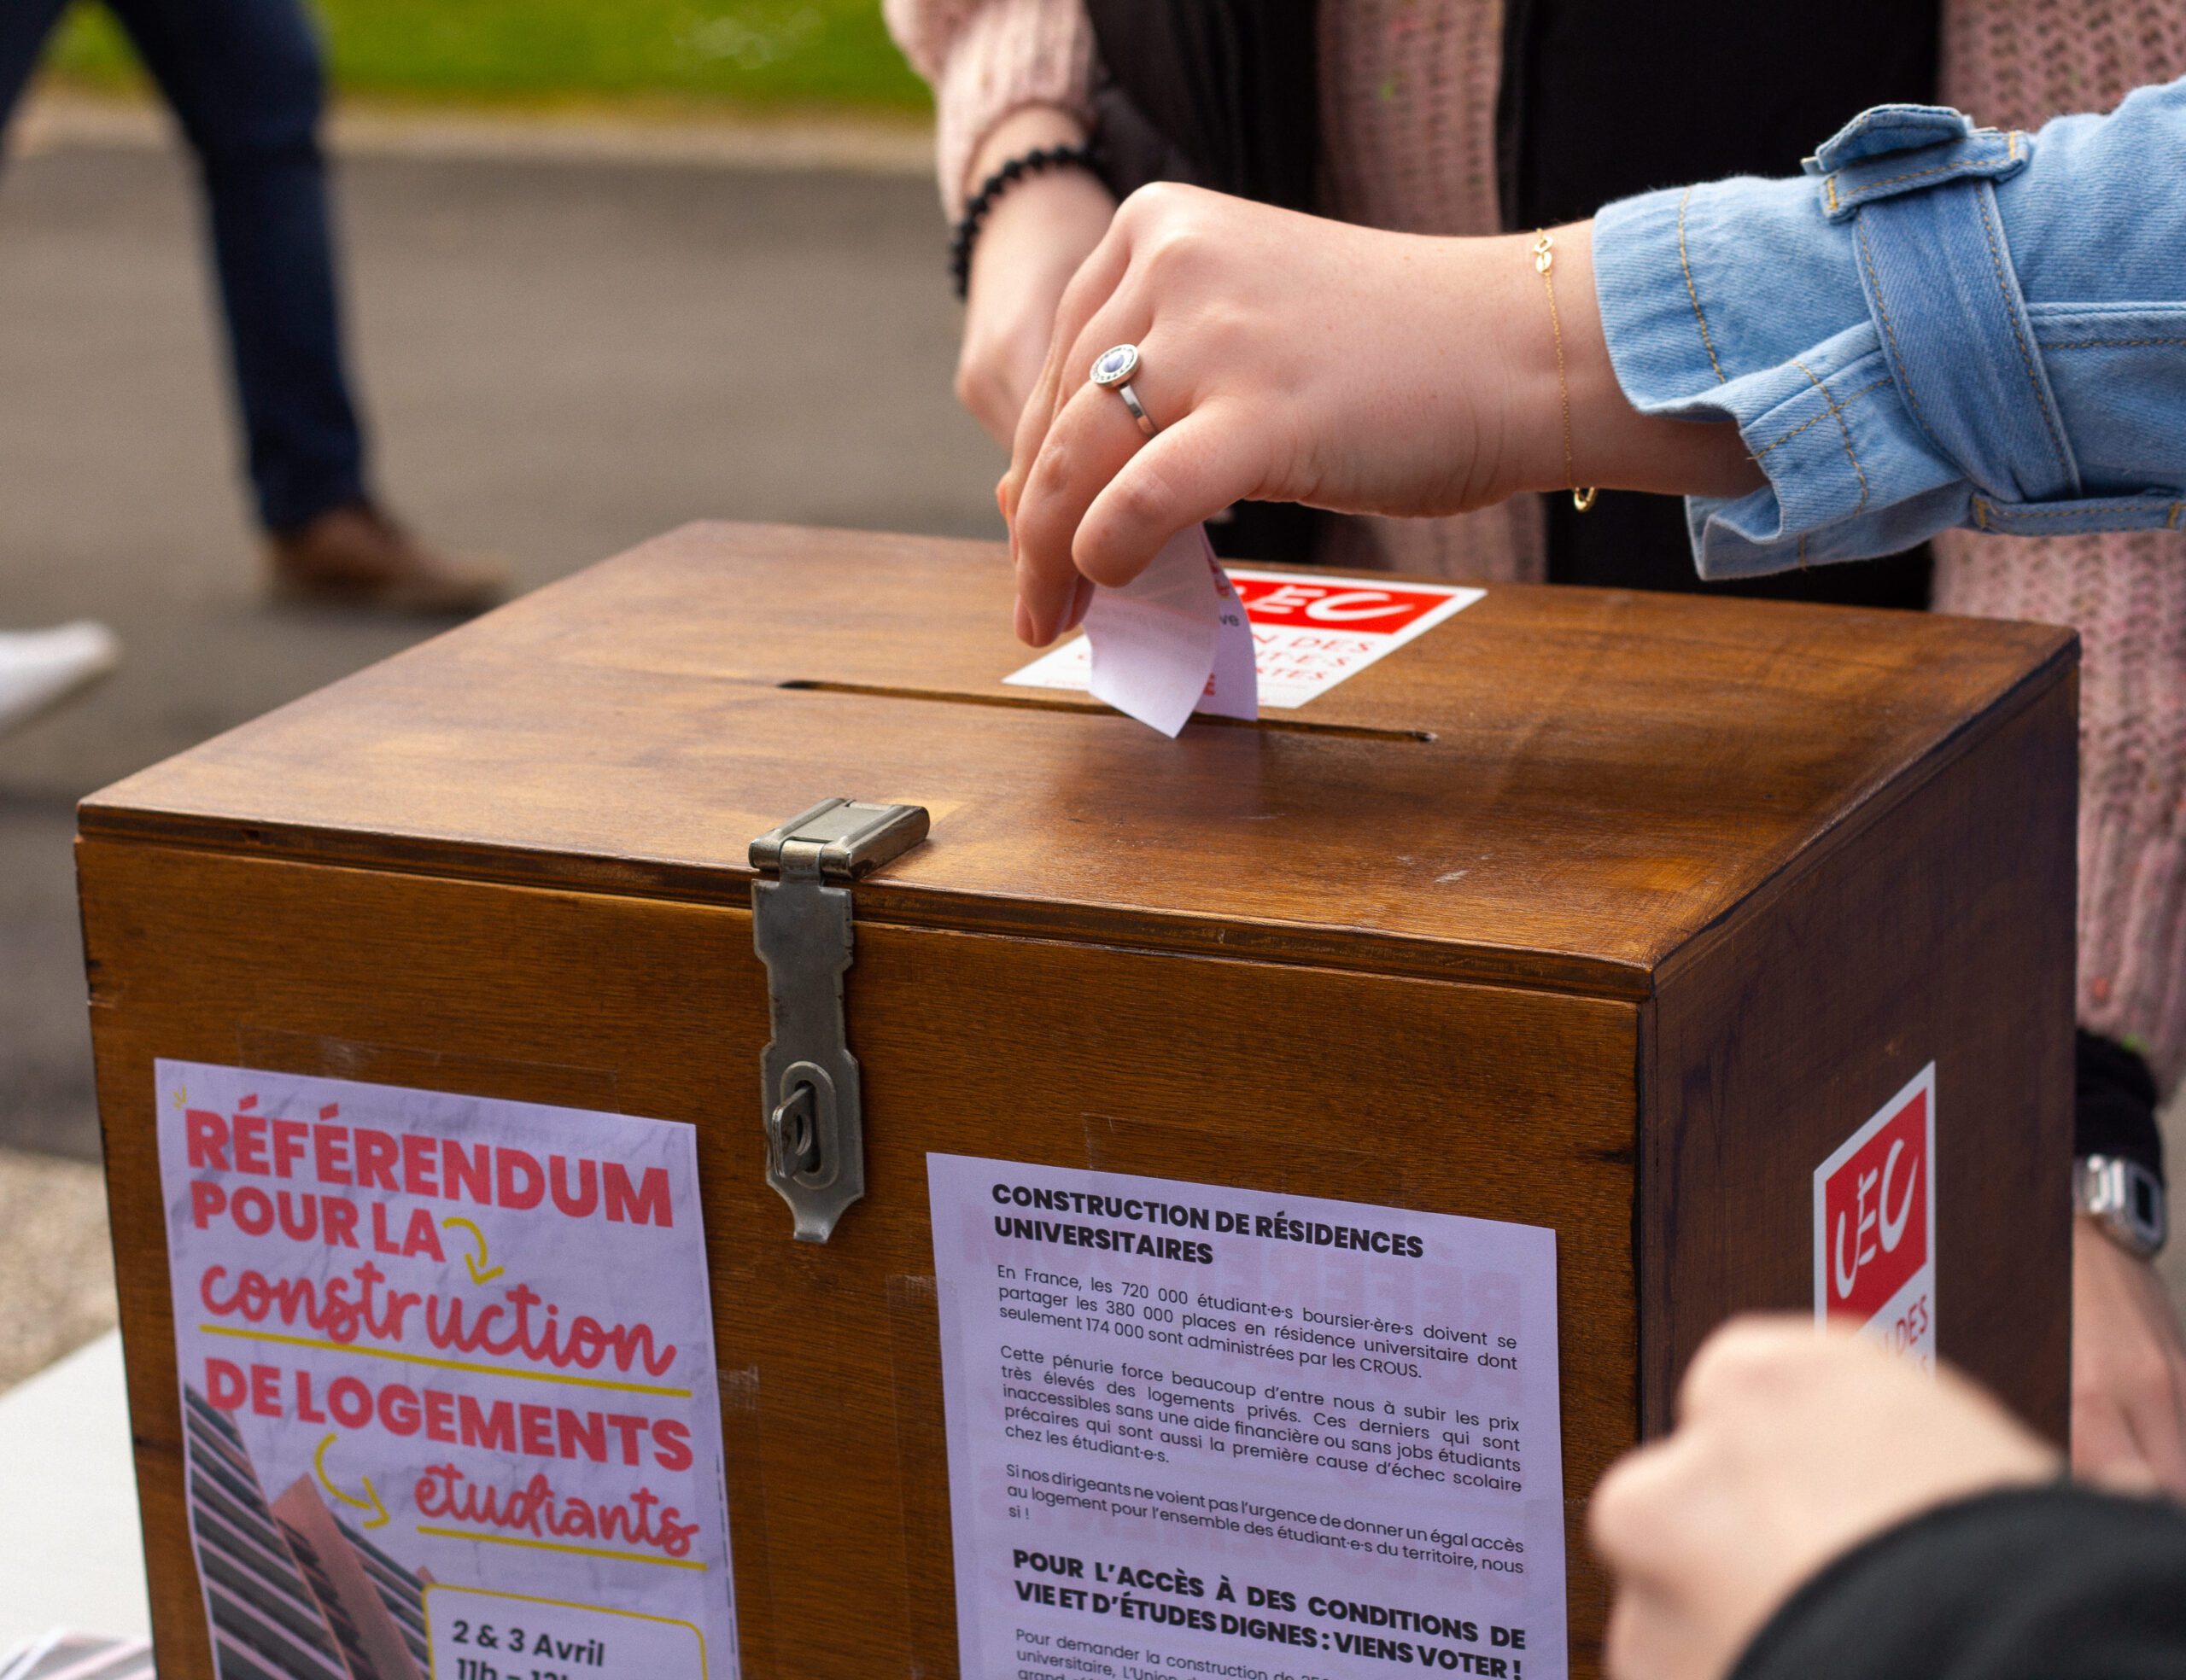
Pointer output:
801, 927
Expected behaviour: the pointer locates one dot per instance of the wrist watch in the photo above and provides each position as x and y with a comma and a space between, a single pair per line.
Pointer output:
2126, 1199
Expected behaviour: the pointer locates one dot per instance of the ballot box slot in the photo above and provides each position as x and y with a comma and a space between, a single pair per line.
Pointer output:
809, 1096
1357, 732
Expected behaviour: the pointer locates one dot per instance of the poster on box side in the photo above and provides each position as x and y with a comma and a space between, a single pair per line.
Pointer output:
448, 1390
1194, 1429
1309, 633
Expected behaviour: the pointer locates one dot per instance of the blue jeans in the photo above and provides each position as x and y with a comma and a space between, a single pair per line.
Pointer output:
245, 79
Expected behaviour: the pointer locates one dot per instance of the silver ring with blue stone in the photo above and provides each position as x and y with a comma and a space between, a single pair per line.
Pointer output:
1114, 369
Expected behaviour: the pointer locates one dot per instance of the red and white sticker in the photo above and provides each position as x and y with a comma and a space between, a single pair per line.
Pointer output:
1874, 1225
1309, 633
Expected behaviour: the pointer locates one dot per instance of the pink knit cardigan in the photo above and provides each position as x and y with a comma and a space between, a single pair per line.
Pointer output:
1408, 112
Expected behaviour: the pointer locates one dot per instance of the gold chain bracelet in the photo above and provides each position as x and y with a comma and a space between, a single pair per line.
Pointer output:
1582, 496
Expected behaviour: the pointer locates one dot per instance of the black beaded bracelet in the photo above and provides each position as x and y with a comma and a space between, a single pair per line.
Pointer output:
1033, 162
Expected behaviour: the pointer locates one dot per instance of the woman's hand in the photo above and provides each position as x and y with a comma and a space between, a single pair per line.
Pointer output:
1791, 1448
1287, 358
1032, 242
2129, 1371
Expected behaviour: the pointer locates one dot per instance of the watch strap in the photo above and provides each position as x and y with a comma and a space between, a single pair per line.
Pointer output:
2114, 1101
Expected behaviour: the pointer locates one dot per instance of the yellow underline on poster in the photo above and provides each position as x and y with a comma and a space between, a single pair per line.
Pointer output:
442, 1364
555, 1546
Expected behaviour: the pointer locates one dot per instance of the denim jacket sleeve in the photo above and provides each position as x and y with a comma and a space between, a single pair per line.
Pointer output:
1937, 325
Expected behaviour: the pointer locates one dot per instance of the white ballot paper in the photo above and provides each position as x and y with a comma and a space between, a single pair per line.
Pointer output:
1198, 1430
1173, 640
1306, 633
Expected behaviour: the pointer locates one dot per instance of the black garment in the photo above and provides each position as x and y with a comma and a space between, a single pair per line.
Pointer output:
2052, 1583
1601, 99
1217, 93
2114, 1103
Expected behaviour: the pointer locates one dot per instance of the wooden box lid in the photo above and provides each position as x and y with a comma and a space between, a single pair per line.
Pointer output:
1555, 787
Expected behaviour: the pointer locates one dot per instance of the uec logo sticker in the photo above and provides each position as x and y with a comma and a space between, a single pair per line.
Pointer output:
1874, 1201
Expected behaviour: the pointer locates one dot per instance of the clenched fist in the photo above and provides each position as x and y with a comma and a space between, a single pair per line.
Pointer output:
1792, 1446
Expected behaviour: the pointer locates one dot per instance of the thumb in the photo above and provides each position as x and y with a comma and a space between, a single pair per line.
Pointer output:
1186, 474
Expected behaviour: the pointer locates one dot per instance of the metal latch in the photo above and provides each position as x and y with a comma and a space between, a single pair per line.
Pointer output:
801, 926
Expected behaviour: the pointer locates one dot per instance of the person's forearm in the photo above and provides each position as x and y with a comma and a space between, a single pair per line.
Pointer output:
1613, 444
1056, 214
1291, 358
1031, 241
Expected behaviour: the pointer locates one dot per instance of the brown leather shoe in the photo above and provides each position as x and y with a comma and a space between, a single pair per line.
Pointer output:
356, 556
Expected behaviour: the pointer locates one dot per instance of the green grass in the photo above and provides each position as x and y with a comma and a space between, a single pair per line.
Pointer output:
546, 51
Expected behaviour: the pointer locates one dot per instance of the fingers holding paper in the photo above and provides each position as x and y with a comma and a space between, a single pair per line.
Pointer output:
1088, 496
1287, 358
1282, 356
1101, 500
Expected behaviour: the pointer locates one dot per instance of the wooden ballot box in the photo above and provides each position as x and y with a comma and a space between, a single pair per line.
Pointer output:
1706, 955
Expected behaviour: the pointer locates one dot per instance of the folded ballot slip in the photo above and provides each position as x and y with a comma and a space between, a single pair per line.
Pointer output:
1187, 636
1173, 640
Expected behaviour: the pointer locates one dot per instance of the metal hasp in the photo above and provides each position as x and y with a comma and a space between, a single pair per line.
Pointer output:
801, 926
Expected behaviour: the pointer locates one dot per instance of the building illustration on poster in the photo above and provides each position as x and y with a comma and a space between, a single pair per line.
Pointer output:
449, 1402
290, 1588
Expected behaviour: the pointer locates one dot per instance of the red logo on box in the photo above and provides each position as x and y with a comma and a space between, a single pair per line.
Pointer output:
1315, 604
1874, 1208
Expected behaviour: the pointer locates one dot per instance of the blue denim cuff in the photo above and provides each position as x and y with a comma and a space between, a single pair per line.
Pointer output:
1793, 361
1868, 329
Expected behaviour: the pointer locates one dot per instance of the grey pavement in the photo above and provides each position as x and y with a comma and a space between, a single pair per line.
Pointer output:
56, 1269
560, 357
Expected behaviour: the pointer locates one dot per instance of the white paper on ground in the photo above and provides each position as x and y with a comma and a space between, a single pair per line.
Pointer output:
464, 1349
1196, 1428
64, 1655
1309, 632
1173, 640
